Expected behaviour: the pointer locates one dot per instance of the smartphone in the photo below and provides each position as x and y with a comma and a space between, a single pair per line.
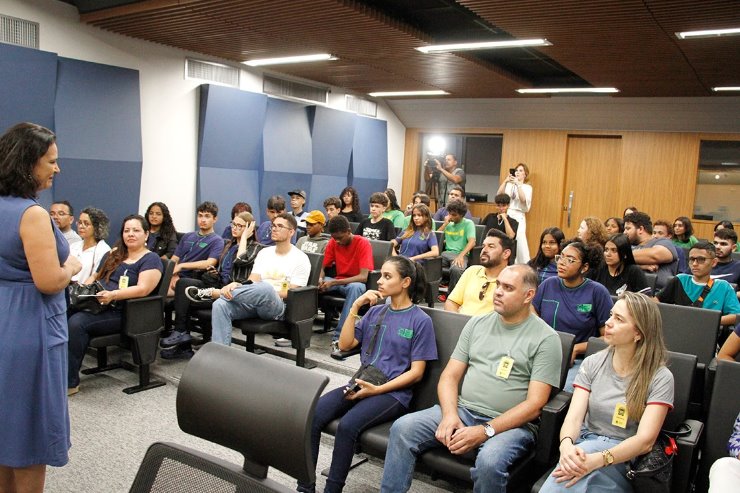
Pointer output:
512, 171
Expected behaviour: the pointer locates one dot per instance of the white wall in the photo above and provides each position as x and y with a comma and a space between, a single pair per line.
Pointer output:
169, 103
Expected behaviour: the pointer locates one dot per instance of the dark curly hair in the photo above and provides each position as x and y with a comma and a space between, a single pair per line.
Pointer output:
592, 255
21, 147
167, 229
100, 222
355, 198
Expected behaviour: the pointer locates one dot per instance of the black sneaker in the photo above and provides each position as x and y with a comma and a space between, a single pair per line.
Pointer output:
175, 338
183, 351
194, 293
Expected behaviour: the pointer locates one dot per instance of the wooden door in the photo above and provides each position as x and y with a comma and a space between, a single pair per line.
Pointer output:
591, 179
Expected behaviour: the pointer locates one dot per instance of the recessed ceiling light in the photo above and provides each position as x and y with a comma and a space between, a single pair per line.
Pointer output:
726, 88
709, 33
258, 62
390, 94
555, 90
485, 45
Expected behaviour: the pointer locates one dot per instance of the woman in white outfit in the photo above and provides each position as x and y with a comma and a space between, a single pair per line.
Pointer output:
516, 187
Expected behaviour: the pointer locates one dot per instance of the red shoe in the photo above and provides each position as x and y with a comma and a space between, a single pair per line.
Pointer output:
442, 298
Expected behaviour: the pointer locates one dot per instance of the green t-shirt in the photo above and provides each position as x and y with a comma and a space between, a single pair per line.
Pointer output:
457, 235
396, 217
685, 244
532, 344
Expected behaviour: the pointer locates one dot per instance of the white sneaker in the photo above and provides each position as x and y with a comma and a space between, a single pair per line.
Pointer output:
195, 294
283, 342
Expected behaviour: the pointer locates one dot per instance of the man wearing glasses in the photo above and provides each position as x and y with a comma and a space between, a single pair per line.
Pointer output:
473, 293
63, 216
699, 289
276, 269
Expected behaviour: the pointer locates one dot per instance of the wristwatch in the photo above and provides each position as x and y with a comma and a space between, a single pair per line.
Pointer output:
489, 430
608, 457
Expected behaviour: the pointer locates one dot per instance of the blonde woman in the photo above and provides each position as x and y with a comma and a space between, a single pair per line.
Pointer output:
621, 398
516, 186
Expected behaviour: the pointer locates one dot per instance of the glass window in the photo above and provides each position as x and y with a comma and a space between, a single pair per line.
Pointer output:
718, 181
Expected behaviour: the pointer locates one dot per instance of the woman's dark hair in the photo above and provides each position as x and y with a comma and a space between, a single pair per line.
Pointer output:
414, 271
119, 252
21, 147
618, 220
593, 255
629, 208
427, 227
392, 197
101, 223
624, 249
687, 226
724, 224
240, 207
167, 229
540, 261
355, 198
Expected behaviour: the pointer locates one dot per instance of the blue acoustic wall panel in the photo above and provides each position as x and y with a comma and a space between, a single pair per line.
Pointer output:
97, 111
280, 183
231, 123
226, 187
323, 186
370, 149
366, 187
28, 82
112, 186
332, 133
287, 138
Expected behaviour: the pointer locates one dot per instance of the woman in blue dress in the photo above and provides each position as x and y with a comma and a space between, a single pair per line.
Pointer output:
35, 267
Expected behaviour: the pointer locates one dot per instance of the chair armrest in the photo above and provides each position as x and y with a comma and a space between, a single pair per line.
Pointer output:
372, 279
551, 420
301, 304
684, 465
143, 315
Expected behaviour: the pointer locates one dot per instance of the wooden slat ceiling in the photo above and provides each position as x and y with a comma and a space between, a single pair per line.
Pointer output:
628, 44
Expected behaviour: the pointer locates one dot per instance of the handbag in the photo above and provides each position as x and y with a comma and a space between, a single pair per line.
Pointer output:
368, 372
82, 298
652, 472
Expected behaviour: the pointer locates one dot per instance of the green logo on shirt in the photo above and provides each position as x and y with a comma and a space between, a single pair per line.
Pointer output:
202, 244
406, 333
584, 307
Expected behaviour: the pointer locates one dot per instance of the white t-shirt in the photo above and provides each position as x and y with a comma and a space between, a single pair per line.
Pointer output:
274, 269
89, 258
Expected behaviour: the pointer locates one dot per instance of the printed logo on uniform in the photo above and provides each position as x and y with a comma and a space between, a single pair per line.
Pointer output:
406, 333
584, 307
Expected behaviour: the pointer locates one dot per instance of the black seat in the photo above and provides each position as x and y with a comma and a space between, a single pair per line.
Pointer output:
651, 280
141, 324
433, 274
220, 387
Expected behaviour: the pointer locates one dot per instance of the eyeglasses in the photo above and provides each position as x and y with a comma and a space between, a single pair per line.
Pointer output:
698, 260
483, 290
58, 214
279, 226
237, 225
570, 260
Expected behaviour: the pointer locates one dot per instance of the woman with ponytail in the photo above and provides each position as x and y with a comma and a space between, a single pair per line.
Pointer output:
397, 339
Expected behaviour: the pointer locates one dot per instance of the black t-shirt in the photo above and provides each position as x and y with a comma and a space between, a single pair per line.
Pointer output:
492, 222
354, 216
630, 279
382, 230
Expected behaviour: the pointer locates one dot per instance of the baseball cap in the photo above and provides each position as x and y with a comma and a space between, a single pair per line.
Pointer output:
300, 193
314, 217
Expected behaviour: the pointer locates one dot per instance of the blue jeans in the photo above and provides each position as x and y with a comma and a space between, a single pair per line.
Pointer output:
351, 292
612, 478
572, 372
356, 416
413, 434
83, 326
258, 300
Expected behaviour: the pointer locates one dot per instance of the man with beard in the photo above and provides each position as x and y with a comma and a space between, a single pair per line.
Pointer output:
651, 254
473, 294
725, 241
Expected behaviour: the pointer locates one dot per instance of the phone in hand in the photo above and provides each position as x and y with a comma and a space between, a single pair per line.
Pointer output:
512, 171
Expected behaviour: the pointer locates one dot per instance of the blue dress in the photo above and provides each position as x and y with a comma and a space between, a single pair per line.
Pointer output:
33, 353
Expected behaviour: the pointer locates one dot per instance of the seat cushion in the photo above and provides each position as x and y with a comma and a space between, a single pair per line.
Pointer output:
105, 341
257, 326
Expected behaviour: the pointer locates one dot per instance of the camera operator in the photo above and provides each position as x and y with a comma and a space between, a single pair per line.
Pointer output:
449, 176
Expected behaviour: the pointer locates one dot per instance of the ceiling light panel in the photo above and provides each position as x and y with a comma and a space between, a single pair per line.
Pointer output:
486, 45
391, 94
317, 57
709, 33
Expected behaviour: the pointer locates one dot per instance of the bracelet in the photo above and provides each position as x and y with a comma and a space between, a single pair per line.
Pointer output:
567, 438
357, 316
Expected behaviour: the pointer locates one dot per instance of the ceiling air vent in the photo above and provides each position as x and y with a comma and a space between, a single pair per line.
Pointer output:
360, 106
291, 89
211, 72
19, 32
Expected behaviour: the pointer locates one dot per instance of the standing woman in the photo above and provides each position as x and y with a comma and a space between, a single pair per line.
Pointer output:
397, 339
619, 273
621, 398
516, 187
351, 205
683, 233
544, 262
92, 226
162, 235
35, 267
418, 241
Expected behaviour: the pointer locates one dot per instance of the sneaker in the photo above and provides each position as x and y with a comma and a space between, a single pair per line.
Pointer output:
283, 342
73, 390
177, 352
175, 338
194, 293
442, 298
334, 346
342, 355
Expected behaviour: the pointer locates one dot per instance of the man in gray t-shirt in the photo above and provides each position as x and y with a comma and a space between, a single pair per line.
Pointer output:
507, 361
651, 254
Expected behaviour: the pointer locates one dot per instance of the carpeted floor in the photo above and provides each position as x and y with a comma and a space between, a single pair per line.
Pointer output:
111, 431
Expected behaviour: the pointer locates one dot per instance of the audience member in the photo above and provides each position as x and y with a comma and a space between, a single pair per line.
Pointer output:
572, 303
592, 232
508, 361
630, 209
418, 241
662, 229
517, 187
276, 270
731, 347
128, 271
351, 205
456, 193
614, 225
419, 198
450, 174
471, 294
725, 472
275, 206
620, 400
727, 268
728, 225
459, 240
651, 254
544, 262
699, 289
332, 206
314, 241
162, 234
93, 226
619, 273
683, 232
393, 212
199, 250
376, 227
236, 209
352, 257
501, 220
397, 339
62, 214
297, 201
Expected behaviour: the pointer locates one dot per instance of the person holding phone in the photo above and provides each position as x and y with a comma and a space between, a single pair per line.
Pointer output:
515, 186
